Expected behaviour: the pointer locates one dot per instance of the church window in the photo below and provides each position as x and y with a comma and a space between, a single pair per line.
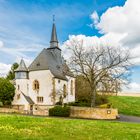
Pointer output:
35, 85
71, 88
59, 81
64, 90
40, 99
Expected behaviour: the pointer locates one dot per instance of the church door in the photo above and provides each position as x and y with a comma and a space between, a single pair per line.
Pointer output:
31, 109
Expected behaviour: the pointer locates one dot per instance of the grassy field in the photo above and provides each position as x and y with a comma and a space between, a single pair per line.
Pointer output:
26, 127
126, 105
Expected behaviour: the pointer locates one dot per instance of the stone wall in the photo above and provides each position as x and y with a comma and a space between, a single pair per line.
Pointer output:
41, 110
93, 113
11, 110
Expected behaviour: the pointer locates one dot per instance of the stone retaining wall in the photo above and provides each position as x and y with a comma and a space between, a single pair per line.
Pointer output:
93, 113
41, 110
10, 110
76, 112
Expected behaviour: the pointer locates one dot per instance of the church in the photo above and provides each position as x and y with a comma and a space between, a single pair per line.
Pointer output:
46, 82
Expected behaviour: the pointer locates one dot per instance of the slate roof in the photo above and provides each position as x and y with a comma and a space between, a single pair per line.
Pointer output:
28, 99
22, 66
48, 59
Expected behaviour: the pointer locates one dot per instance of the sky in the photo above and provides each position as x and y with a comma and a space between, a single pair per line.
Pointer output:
25, 28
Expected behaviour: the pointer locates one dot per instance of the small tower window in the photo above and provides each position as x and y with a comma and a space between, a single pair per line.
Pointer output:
38, 64
18, 96
35, 85
18, 87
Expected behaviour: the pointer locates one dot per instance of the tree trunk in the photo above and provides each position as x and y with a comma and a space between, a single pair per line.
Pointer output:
93, 96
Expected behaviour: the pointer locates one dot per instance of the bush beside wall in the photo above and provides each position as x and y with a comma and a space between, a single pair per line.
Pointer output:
60, 111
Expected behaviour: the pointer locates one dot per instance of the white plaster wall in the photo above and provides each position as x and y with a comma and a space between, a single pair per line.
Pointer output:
59, 87
44, 77
23, 84
20, 101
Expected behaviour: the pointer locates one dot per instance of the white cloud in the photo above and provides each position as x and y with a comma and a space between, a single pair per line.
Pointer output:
94, 16
132, 88
123, 25
4, 69
1, 44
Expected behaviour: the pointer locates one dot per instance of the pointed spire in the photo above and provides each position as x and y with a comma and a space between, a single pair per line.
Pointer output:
54, 41
22, 66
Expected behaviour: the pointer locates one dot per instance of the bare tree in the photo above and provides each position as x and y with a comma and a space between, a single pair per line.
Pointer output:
99, 64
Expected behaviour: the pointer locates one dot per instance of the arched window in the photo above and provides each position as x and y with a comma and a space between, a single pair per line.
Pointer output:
71, 87
35, 85
65, 90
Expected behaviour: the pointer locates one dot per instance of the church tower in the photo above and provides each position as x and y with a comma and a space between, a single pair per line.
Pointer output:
21, 72
21, 78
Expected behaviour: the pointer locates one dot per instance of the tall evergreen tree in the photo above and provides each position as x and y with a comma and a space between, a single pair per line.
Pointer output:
11, 74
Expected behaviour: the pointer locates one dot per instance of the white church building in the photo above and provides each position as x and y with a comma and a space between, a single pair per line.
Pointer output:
47, 81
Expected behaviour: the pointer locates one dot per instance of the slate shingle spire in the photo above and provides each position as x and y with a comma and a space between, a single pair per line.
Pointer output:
54, 41
22, 66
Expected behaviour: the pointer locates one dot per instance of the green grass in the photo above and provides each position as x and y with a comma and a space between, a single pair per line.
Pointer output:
36, 128
126, 105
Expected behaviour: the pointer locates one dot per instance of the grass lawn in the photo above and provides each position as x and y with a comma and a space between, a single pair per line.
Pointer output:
26, 127
126, 105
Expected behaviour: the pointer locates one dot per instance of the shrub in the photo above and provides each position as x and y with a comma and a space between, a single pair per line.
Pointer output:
109, 105
59, 111
81, 103
101, 99
58, 103
1, 104
7, 91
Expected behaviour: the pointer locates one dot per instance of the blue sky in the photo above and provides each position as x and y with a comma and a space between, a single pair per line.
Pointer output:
25, 25
28, 22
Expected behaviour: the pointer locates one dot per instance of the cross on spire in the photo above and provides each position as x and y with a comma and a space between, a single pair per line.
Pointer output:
53, 18
54, 41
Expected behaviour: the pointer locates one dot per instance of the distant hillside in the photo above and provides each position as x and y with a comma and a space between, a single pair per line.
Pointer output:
126, 104
129, 94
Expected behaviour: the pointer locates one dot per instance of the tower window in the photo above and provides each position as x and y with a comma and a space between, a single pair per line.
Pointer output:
38, 64
18, 87
35, 85
18, 96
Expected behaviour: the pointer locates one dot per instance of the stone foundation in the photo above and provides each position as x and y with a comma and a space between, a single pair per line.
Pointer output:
93, 113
